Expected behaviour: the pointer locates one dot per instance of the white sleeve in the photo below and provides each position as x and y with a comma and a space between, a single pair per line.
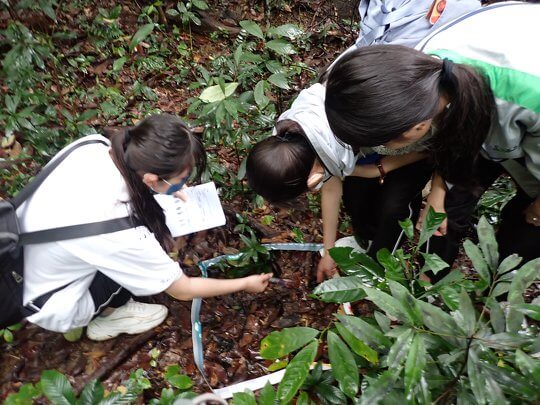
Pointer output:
132, 258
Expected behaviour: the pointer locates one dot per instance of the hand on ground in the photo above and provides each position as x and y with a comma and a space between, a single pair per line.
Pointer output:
257, 283
326, 268
532, 213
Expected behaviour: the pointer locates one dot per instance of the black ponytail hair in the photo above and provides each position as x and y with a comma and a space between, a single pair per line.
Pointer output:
161, 144
374, 94
278, 167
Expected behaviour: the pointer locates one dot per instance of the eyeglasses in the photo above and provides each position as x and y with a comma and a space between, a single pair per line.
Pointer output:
173, 188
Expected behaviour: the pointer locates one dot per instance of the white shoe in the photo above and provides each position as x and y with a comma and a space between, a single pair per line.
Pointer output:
131, 318
347, 241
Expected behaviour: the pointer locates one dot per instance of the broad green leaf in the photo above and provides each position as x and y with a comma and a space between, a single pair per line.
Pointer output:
400, 348
480, 265
433, 262
392, 265
496, 315
522, 278
57, 388
387, 303
26, 394
290, 31
383, 321
353, 263
200, 4
278, 365
296, 372
46, 7
302, 399
408, 227
92, 393
180, 381
529, 366
430, 225
465, 316
243, 398
511, 382
281, 46
118, 64
378, 388
531, 310
216, 93
252, 28
344, 367
267, 395
488, 243
280, 343
260, 98
450, 296
357, 346
495, 395
330, 394
476, 379
242, 169
509, 263
415, 363
506, 341
342, 289
140, 35
442, 323
408, 303
274, 66
279, 80
366, 332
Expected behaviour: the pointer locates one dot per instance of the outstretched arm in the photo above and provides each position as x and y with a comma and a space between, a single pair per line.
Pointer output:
435, 199
389, 163
332, 191
187, 288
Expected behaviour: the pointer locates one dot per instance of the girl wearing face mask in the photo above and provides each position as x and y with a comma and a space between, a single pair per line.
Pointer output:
477, 92
304, 155
95, 278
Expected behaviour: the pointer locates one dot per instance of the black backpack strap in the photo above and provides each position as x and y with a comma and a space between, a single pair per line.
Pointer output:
79, 231
31, 187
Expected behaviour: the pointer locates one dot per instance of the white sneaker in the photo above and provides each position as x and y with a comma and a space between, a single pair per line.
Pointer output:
131, 318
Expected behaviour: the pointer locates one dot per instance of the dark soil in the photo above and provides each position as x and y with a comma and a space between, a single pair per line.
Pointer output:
233, 327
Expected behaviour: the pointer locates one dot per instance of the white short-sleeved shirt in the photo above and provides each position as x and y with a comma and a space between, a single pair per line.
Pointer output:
87, 187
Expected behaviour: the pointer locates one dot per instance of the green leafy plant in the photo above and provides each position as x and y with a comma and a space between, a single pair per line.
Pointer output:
465, 347
187, 11
7, 333
253, 258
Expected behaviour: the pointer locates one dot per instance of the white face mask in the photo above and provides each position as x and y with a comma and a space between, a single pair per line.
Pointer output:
413, 147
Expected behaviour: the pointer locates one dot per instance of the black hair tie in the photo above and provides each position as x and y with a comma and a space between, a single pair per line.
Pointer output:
447, 75
286, 137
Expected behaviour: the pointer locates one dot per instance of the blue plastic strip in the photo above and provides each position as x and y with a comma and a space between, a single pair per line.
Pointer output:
196, 326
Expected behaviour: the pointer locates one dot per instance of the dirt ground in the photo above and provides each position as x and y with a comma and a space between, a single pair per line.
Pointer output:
234, 325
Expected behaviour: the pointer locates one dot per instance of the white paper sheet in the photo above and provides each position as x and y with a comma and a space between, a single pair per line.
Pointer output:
202, 210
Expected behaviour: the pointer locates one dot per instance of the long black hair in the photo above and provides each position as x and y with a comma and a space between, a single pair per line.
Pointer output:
161, 144
374, 94
278, 167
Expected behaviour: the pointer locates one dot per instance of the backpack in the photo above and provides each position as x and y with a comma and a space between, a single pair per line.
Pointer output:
12, 242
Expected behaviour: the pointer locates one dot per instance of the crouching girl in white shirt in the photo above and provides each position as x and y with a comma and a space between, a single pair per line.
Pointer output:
98, 275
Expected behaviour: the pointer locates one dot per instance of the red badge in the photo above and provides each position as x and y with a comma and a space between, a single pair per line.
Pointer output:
435, 11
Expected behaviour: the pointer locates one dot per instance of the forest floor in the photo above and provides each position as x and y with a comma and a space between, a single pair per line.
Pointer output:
234, 325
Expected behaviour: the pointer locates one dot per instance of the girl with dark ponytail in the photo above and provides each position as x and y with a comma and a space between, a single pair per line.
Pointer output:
92, 279
475, 92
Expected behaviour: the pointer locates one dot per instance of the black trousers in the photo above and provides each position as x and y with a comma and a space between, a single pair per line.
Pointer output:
375, 209
107, 293
514, 235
